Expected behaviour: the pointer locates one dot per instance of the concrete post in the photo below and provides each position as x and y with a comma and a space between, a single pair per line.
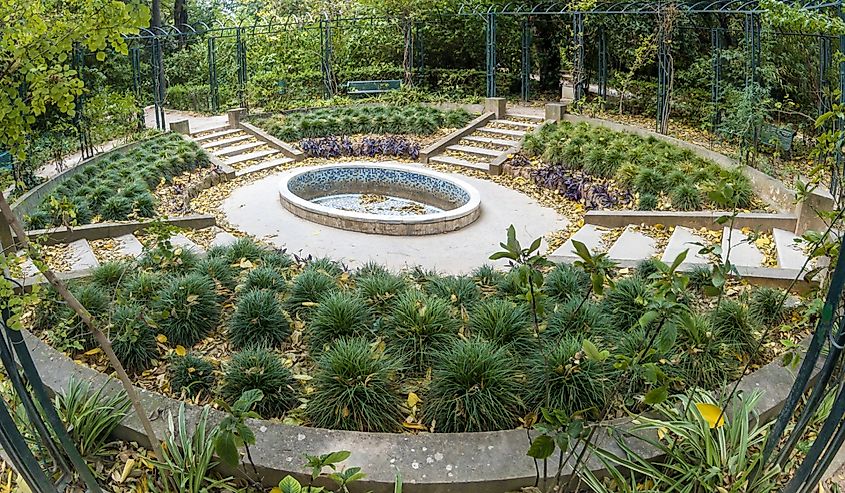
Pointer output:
556, 111
235, 116
181, 126
819, 200
499, 106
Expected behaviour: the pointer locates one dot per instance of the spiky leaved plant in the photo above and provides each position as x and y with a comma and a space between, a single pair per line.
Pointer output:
277, 259
475, 386
145, 285
191, 375
703, 358
188, 309
648, 181
306, 290
116, 208
90, 416
144, 205
326, 265
110, 274
259, 321
647, 202
380, 290
767, 305
579, 319
686, 197
420, 324
264, 370
265, 278
732, 324
626, 302
133, 340
355, 388
646, 267
505, 324
700, 277
369, 269
487, 277
96, 300
218, 270
566, 282
459, 291
164, 258
337, 315
244, 249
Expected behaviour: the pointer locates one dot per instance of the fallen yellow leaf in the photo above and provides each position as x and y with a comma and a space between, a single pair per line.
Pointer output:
94, 351
180, 351
712, 414
127, 469
413, 399
161, 338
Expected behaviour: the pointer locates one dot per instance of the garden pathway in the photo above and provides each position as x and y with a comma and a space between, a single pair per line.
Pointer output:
255, 209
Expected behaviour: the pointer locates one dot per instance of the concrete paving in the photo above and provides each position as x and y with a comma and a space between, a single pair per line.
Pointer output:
633, 245
684, 239
255, 209
591, 236
742, 253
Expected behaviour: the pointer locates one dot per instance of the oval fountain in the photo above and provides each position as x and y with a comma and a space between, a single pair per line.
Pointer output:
387, 199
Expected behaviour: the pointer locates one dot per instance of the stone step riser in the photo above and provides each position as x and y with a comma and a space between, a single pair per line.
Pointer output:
453, 161
241, 158
238, 149
477, 151
226, 142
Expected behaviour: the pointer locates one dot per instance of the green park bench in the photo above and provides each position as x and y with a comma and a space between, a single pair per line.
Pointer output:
369, 87
5, 160
780, 137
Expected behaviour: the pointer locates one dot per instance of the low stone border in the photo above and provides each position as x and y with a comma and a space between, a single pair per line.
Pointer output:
454, 137
703, 219
99, 231
492, 462
286, 149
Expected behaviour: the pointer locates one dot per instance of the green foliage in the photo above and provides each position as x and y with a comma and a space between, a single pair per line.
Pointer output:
566, 282
338, 315
732, 324
233, 432
487, 277
165, 258
355, 389
504, 324
110, 274
144, 285
579, 319
218, 270
76, 335
460, 291
647, 202
380, 290
649, 181
89, 416
306, 290
475, 386
192, 375
767, 305
327, 266
188, 309
686, 197
699, 277
258, 321
646, 268
562, 377
244, 249
263, 370
420, 324
132, 339
704, 359
626, 302
265, 278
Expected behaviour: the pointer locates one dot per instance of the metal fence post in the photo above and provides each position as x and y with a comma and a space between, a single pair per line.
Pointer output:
490, 30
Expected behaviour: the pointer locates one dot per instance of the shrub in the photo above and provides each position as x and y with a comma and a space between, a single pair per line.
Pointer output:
580, 319
647, 202
133, 341
380, 290
566, 282
503, 323
648, 181
646, 267
278, 260
219, 270
145, 285
90, 417
700, 277
263, 370
561, 377
420, 324
461, 292
191, 375
259, 321
487, 277
686, 197
337, 315
326, 266
626, 302
110, 274
703, 358
245, 249
189, 309
475, 386
767, 305
307, 288
265, 278
731, 322
355, 389
116, 208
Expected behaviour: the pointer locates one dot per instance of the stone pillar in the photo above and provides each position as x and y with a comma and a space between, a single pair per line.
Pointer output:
819, 200
181, 126
499, 106
235, 116
556, 111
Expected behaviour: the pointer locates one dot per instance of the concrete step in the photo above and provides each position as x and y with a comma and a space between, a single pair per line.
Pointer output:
81, 256
454, 161
226, 142
238, 149
478, 151
633, 245
129, 246
490, 140
240, 158
216, 134
222, 238
502, 131
514, 123
27, 267
591, 236
684, 239
741, 252
271, 163
533, 118
790, 254
185, 243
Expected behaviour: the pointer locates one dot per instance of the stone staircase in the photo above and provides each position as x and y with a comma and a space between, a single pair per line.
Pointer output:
480, 148
755, 258
245, 152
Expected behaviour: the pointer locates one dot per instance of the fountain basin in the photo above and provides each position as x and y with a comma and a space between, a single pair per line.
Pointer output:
376, 198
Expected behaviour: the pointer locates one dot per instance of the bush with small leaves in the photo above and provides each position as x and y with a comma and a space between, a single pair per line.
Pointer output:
218, 270
263, 370
337, 315
579, 319
686, 197
626, 302
116, 208
133, 341
355, 389
145, 285
647, 202
191, 375
767, 305
380, 290
475, 386
307, 289
259, 321
265, 278
461, 292
188, 309
562, 377
111, 274
731, 321
565, 282
703, 359
420, 324
503, 323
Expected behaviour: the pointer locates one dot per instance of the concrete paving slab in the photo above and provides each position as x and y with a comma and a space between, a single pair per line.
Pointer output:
633, 245
684, 239
742, 253
223, 238
129, 245
591, 236
255, 209
81, 256
790, 254
182, 241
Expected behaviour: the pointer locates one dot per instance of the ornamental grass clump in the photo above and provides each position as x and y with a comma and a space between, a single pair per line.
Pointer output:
259, 321
191, 375
244, 249
626, 302
767, 305
700, 277
96, 300
356, 388
380, 290
460, 291
704, 359
562, 377
265, 278
504, 324
686, 197
327, 266
565, 282
175, 260
110, 274
648, 181
647, 267
306, 290
218, 270
732, 324
145, 285
475, 386
487, 277
133, 341
579, 319
647, 202
188, 309
263, 370
420, 324
116, 208
337, 315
